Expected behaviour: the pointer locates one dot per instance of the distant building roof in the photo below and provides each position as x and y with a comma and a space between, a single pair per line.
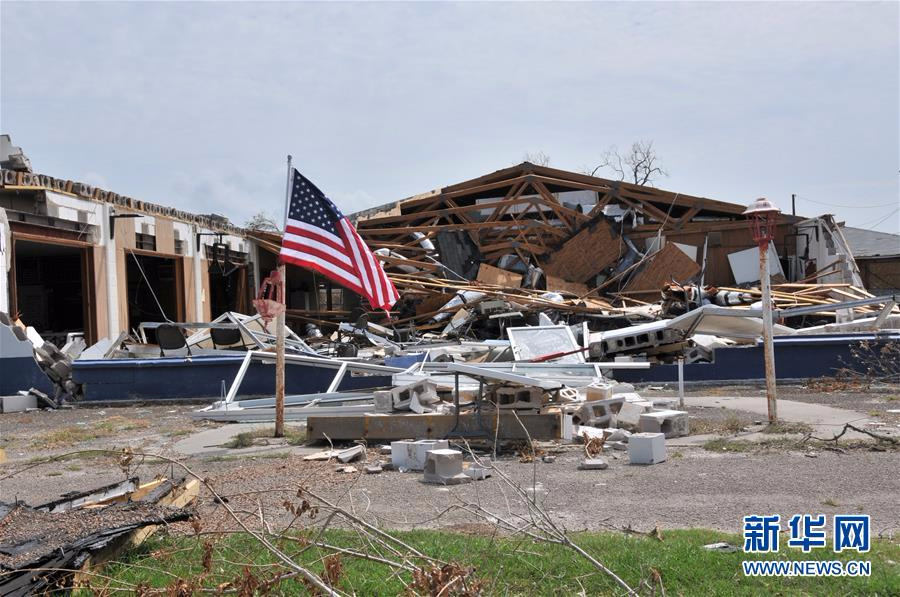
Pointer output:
869, 243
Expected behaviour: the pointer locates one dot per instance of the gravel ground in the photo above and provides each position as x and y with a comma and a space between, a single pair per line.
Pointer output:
37, 434
874, 402
694, 488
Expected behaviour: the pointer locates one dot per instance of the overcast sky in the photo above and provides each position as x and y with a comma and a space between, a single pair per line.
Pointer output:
196, 105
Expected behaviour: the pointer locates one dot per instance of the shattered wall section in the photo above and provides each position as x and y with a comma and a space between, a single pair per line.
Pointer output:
586, 254
671, 263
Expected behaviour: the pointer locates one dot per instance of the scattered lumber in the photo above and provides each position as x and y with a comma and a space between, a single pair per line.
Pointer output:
42, 547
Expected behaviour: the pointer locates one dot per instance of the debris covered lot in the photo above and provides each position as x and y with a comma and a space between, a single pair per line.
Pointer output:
732, 464
548, 359
704, 483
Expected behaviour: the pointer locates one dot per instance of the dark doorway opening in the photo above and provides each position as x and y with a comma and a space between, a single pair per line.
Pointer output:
50, 290
155, 289
227, 289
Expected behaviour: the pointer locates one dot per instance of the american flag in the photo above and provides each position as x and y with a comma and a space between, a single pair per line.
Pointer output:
317, 236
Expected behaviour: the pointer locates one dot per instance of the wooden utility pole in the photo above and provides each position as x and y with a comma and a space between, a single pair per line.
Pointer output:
763, 219
280, 319
768, 347
279, 356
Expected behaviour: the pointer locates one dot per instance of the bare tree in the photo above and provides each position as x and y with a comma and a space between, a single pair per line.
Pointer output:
263, 221
538, 158
640, 165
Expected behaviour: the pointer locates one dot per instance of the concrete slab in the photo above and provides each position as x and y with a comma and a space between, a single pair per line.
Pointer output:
211, 442
826, 420
17, 403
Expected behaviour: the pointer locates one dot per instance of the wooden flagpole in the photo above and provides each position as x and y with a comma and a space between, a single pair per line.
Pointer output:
280, 320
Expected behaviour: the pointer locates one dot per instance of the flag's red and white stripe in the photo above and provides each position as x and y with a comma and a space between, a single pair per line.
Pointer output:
345, 259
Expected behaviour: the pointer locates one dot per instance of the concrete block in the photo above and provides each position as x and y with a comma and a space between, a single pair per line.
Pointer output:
418, 397
622, 388
350, 454
633, 397
62, 369
671, 423
18, 403
599, 413
569, 395
74, 347
598, 392
568, 426
518, 398
373, 469
629, 415
617, 435
665, 403
384, 401
647, 448
445, 467
620, 446
476, 471
592, 432
407, 455
593, 464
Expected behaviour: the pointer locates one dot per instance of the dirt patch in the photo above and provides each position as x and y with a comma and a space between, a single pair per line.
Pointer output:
694, 487
44, 433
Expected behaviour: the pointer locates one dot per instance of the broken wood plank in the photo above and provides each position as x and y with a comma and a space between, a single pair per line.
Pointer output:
670, 263
501, 277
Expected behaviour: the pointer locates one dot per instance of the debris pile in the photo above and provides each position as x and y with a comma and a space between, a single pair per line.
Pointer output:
42, 548
31, 366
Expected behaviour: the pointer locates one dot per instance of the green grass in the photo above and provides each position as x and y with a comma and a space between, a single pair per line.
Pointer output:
293, 435
77, 434
723, 444
787, 427
243, 457
516, 566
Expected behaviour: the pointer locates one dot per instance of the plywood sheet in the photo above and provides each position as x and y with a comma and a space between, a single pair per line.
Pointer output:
204, 277
122, 278
501, 277
584, 255
165, 236
555, 283
125, 233
100, 298
190, 299
669, 264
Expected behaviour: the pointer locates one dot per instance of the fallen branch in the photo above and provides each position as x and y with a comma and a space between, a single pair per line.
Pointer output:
850, 427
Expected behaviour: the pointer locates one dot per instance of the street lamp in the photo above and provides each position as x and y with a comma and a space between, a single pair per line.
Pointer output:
763, 216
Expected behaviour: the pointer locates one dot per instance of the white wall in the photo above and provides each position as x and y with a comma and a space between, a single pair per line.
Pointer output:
5, 261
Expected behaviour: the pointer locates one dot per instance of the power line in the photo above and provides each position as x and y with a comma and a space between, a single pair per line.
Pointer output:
849, 206
868, 225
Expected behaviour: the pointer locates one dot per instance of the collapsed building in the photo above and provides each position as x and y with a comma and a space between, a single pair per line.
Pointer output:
601, 242
599, 269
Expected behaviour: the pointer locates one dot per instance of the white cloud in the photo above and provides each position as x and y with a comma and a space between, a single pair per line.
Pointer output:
190, 102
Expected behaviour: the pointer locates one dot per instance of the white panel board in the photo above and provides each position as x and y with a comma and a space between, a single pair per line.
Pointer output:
745, 264
689, 250
529, 343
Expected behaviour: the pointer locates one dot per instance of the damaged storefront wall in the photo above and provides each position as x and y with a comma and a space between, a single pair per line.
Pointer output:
83, 260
